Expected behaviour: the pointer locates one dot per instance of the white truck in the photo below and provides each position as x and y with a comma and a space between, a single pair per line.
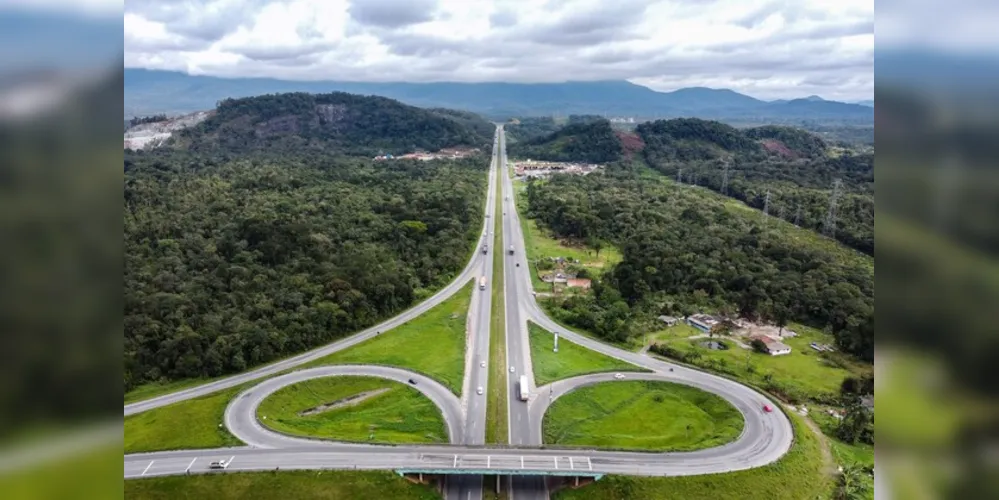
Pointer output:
524, 390
482, 283
511, 249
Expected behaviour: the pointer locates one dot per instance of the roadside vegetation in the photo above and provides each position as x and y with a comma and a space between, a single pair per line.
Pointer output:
642, 415
357, 409
497, 430
195, 423
800, 474
432, 344
542, 246
288, 484
804, 375
569, 361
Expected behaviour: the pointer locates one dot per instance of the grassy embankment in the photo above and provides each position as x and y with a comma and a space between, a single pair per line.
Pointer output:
496, 407
289, 484
642, 415
796, 476
569, 361
432, 344
195, 423
805, 373
391, 412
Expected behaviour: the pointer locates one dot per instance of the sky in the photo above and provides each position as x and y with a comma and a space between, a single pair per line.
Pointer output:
764, 48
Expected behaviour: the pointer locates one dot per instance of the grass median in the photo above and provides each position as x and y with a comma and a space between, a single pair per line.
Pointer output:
432, 344
642, 415
496, 407
569, 361
357, 409
288, 484
797, 475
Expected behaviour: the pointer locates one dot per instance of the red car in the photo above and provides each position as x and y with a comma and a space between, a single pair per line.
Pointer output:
767, 408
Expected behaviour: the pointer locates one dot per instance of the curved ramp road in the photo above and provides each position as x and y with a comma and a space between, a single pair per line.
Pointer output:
241, 414
476, 264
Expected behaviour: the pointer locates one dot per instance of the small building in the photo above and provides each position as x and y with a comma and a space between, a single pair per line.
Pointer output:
578, 283
669, 320
773, 347
702, 322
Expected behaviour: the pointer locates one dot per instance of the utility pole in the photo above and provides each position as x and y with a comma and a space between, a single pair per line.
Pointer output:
766, 207
556, 343
830, 225
797, 216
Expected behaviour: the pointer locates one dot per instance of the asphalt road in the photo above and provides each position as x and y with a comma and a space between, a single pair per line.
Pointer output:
472, 271
766, 437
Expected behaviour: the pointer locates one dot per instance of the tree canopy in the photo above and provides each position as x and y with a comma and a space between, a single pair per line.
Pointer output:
587, 140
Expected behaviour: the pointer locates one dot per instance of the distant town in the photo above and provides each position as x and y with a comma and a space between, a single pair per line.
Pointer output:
444, 154
540, 169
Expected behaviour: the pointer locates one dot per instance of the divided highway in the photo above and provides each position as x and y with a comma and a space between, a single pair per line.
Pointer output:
766, 436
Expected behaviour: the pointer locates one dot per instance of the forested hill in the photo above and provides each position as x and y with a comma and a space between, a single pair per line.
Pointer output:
585, 140
335, 123
788, 172
231, 263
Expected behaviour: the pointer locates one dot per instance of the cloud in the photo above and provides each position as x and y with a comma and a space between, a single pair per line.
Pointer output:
770, 49
392, 13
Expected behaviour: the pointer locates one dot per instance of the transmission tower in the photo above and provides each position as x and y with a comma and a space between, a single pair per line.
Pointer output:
830, 226
797, 216
679, 176
780, 212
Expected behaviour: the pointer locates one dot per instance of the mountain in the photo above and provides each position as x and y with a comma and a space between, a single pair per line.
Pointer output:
869, 103
335, 122
814, 98
582, 141
149, 92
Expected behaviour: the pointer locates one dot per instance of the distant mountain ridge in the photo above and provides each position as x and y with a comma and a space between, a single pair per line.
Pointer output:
149, 92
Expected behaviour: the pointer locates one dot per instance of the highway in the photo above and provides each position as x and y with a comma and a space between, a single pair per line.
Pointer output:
766, 436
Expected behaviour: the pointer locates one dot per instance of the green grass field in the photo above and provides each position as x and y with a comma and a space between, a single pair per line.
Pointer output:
289, 484
796, 476
569, 361
642, 415
433, 344
496, 410
804, 373
153, 389
540, 244
400, 414
668, 334
195, 423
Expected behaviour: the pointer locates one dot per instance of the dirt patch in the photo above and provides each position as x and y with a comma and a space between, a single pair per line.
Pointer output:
343, 403
778, 147
631, 142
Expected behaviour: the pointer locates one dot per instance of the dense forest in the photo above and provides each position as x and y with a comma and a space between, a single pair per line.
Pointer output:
589, 141
684, 252
234, 262
528, 128
336, 123
787, 172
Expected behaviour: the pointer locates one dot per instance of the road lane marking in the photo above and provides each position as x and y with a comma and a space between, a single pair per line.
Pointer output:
227, 464
188, 469
556, 462
151, 462
489, 462
455, 466
571, 466
522, 462
588, 462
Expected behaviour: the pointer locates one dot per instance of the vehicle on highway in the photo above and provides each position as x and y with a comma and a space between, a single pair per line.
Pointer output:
524, 390
767, 408
618, 376
485, 248
479, 390
482, 283
482, 364
412, 381
511, 369
511, 249
218, 464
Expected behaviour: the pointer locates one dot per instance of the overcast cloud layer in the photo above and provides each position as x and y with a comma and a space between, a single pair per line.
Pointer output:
764, 48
